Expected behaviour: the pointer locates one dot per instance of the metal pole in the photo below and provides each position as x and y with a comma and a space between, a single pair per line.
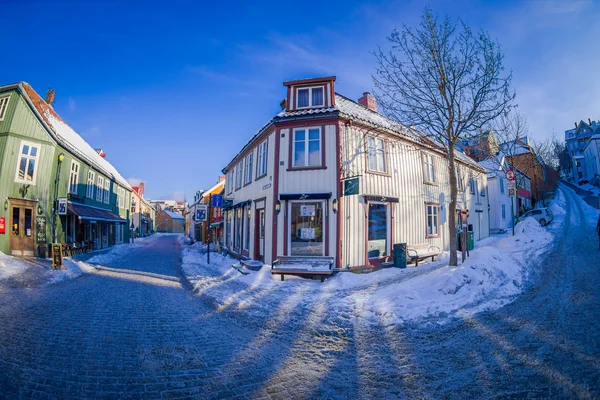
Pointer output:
208, 229
512, 211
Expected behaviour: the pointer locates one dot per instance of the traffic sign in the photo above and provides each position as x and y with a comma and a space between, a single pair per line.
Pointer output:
512, 185
512, 192
510, 175
201, 213
62, 206
217, 201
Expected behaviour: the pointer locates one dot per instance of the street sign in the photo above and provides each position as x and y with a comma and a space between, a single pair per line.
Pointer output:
217, 201
510, 175
62, 206
511, 185
512, 192
201, 213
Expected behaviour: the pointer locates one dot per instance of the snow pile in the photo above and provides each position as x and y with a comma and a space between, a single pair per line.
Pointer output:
11, 266
73, 269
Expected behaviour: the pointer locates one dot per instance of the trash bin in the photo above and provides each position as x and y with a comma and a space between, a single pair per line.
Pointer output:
400, 255
458, 235
470, 240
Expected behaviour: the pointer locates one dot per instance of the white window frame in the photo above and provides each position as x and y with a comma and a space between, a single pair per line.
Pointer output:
289, 224
74, 177
99, 188
106, 191
29, 158
261, 159
428, 167
248, 168
310, 89
4, 106
91, 184
239, 175
376, 151
434, 217
307, 141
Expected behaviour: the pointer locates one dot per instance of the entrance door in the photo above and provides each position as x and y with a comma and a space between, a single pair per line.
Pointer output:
306, 229
22, 229
259, 248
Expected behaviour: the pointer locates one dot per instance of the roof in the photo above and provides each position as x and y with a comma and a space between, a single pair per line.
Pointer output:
67, 137
215, 189
349, 109
173, 214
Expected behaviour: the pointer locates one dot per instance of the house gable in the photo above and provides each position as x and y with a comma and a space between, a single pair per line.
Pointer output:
313, 93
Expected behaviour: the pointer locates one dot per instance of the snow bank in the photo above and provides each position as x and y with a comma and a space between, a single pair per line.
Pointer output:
491, 277
10, 266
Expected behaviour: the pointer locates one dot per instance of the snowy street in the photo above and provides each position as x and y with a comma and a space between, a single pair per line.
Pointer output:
135, 328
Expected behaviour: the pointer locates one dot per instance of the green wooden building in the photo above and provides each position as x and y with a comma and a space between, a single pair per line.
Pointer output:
54, 187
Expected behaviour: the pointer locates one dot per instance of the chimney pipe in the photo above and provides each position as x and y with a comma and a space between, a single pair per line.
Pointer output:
590, 121
283, 104
50, 96
575, 125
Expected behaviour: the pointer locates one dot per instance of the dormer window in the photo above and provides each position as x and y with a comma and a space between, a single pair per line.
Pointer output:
310, 97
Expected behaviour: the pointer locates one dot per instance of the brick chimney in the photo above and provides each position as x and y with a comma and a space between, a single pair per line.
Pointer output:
50, 97
221, 178
101, 153
368, 101
141, 189
283, 104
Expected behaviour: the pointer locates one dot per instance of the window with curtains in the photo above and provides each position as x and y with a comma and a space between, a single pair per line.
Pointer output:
432, 220
376, 154
307, 147
310, 97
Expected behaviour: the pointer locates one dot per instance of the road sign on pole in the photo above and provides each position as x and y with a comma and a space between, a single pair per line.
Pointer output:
201, 213
510, 175
62, 206
217, 201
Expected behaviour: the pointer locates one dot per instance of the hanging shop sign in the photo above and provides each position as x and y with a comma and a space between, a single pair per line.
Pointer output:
2, 225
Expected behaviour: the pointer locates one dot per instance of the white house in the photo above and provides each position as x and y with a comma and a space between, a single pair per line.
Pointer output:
331, 177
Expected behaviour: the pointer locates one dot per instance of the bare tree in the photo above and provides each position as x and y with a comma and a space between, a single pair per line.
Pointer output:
446, 81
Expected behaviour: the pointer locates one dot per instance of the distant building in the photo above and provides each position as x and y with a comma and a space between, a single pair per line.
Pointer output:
480, 147
591, 154
170, 222
142, 213
577, 140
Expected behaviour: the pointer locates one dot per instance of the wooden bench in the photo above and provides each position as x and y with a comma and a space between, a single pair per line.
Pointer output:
421, 251
303, 266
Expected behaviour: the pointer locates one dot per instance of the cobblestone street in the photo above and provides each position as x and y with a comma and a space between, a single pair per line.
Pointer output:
135, 330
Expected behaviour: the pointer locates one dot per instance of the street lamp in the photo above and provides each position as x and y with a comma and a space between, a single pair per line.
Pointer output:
132, 227
61, 158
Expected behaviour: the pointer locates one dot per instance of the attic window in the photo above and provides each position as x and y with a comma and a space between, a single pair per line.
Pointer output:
3, 106
310, 97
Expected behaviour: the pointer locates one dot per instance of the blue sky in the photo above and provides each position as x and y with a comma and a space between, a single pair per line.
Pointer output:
172, 90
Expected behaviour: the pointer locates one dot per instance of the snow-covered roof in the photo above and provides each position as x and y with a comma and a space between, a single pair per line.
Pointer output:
173, 214
349, 109
215, 189
70, 139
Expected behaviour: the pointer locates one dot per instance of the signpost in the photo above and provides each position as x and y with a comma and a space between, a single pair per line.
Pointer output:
351, 186
512, 193
201, 212
510, 175
217, 201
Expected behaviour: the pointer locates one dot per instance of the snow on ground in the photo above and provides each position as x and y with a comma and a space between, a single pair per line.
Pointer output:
120, 250
10, 265
491, 277
590, 188
37, 271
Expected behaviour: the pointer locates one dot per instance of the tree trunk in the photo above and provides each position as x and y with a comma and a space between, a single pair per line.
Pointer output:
451, 210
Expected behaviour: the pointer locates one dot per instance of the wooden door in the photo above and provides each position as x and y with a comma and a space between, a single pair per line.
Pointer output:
22, 228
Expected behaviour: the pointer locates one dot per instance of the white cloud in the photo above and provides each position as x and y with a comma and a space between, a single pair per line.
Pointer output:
72, 105
134, 181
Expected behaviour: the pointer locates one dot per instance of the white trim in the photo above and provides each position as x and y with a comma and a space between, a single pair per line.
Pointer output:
106, 191
428, 161
99, 188
4, 105
307, 130
91, 184
29, 158
377, 153
310, 89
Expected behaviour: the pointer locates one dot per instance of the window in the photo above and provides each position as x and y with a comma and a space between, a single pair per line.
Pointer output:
237, 240
90, 185
377, 241
307, 147
306, 229
471, 185
247, 229
26, 167
459, 180
432, 220
248, 177
230, 182
3, 106
133, 206
240, 171
376, 154
261, 159
310, 97
106, 191
74, 177
503, 211
482, 193
428, 168
502, 186
99, 188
